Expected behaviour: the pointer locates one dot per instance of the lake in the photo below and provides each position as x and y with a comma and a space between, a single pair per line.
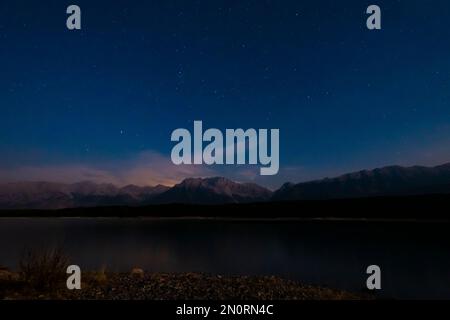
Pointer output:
414, 257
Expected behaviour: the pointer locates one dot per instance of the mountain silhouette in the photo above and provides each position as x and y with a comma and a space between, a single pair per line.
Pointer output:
49, 195
386, 181
215, 190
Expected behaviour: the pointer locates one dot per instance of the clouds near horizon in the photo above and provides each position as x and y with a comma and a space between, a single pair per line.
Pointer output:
147, 168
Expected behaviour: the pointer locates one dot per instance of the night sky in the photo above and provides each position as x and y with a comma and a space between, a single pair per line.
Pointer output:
100, 103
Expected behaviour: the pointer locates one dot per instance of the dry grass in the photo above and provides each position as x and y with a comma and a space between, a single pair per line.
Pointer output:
100, 276
44, 270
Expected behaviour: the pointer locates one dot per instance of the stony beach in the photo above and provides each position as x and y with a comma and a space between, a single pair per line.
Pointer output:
139, 285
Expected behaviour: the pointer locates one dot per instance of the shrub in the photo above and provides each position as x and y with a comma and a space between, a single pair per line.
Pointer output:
44, 270
100, 276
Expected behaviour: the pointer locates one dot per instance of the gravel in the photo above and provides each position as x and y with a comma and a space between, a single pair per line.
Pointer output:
140, 285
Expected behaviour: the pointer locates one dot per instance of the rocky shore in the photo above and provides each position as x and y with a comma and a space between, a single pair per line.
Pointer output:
139, 285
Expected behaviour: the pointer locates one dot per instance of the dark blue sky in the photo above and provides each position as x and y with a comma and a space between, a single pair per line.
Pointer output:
103, 101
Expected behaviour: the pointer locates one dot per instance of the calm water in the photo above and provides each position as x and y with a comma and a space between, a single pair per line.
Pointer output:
414, 257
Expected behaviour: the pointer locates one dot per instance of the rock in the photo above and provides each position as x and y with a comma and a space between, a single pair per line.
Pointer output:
7, 275
189, 286
137, 273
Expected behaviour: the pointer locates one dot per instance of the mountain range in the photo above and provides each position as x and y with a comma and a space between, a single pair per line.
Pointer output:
386, 181
50, 195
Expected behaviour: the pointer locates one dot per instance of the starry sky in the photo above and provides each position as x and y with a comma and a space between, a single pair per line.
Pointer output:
100, 103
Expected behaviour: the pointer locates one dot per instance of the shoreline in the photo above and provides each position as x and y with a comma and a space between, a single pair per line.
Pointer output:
140, 285
236, 219
404, 209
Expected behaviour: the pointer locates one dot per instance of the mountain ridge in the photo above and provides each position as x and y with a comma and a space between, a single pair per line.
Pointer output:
384, 181
213, 190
